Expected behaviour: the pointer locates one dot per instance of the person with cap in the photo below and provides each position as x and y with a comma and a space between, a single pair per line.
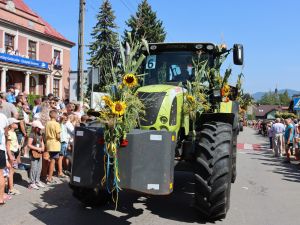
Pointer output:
37, 147
12, 148
3, 157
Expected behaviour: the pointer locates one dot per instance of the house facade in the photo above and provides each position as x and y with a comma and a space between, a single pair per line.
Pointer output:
268, 111
34, 57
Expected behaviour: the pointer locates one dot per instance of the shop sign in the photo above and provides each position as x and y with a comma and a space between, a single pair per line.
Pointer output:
23, 61
296, 103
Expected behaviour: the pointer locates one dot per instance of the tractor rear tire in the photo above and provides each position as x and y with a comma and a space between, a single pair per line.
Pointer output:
93, 197
213, 170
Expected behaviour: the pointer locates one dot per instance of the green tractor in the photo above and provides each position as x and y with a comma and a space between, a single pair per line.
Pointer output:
167, 140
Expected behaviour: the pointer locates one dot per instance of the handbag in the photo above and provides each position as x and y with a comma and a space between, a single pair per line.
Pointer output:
36, 154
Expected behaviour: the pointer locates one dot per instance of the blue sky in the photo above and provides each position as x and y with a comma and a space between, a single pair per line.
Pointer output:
269, 31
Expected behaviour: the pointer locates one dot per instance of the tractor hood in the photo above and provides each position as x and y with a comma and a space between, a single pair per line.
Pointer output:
161, 101
161, 88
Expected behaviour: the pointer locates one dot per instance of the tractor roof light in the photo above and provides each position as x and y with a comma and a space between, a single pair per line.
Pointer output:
199, 46
209, 47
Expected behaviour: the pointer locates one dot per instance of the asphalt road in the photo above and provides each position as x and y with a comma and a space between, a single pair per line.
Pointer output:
266, 192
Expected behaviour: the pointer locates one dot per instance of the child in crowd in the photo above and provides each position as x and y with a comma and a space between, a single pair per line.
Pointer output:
12, 148
53, 145
64, 140
36, 146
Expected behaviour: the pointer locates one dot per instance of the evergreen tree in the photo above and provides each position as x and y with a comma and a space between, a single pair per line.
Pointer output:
273, 98
269, 98
105, 42
145, 25
284, 98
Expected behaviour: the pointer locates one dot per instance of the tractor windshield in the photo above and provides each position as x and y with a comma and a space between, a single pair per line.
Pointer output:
169, 67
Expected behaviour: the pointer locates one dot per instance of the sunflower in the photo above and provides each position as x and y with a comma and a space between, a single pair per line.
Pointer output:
225, 91
130, 80
223, 46
107, 100
190, 98
118, 108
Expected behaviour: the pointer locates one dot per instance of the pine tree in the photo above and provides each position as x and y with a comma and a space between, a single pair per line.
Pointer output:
145, 25
105, 42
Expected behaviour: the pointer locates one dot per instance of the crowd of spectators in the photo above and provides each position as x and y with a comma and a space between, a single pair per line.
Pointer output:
42, 132
284, 137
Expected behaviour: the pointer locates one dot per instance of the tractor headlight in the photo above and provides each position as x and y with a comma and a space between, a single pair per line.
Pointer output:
163, 128
153, 47
163, 119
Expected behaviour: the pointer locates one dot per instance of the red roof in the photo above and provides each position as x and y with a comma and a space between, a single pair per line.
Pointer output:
49, 30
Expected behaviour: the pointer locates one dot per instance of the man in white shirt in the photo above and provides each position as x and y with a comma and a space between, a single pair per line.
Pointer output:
3, 155
278, 130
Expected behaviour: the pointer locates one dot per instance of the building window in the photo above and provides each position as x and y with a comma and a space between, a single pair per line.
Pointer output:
56, 88
32, 49
32, 85
9, 43
56, 63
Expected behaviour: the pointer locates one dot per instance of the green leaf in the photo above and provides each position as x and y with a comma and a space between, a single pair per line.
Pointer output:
138, 63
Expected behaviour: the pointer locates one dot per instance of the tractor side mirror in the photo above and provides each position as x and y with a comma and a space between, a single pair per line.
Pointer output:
238, 54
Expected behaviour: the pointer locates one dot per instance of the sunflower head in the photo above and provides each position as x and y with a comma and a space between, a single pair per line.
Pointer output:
190, 98
223, 46
107, 100
225, 91
130, 80
118, 108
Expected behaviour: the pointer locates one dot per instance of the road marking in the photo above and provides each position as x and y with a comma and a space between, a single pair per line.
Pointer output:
254, 147
248, 146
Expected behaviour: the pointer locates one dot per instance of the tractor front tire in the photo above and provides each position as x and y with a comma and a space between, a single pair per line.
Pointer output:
234, 154
93, 197
213, 170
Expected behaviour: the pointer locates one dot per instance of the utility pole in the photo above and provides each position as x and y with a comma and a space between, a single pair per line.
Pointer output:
80, 51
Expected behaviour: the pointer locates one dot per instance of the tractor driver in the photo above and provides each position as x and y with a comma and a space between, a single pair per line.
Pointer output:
178, 74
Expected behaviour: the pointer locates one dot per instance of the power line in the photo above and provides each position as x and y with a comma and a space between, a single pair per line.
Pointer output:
130, 10
131, 5
91, 6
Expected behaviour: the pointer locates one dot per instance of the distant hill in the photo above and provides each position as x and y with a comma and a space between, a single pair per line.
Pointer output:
257, 96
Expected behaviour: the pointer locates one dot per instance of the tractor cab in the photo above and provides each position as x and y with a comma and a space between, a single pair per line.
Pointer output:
172, 63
